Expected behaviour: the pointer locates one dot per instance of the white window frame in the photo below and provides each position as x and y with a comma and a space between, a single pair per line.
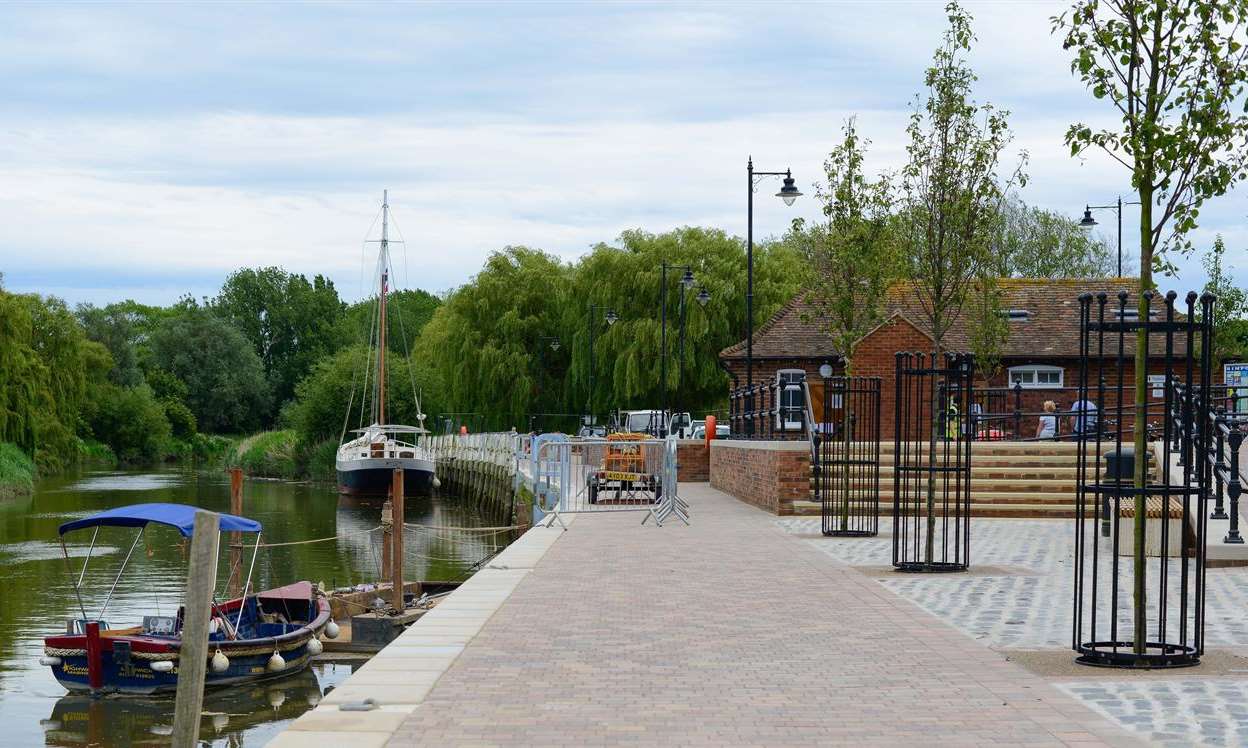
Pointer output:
1034, 370
782, 410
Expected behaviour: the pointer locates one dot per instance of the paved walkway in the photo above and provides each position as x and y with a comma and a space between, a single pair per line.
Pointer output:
728, 631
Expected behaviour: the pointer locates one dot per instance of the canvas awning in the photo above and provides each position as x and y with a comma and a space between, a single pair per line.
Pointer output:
178, 516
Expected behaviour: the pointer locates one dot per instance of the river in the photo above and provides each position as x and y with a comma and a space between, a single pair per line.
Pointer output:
37, 594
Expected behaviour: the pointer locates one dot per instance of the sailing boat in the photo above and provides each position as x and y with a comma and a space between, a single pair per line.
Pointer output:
367, 462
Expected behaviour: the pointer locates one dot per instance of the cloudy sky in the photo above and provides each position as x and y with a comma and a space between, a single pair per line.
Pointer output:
149, 149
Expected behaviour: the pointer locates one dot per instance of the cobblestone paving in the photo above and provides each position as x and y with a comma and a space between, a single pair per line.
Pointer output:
1173, 712
1031, 608
729, 632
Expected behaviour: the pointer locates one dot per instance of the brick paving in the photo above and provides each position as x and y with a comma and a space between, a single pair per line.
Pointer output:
728, 632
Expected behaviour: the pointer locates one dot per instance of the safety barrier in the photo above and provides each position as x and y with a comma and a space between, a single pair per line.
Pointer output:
576, 476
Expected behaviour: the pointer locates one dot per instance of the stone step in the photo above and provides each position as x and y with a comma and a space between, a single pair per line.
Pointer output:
1032, 461
978, 483
997, 497
1007, 511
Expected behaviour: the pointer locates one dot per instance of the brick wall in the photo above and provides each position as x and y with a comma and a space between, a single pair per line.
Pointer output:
693, 460
769, 475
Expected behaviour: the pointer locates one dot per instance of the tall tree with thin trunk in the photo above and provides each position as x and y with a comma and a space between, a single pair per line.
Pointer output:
950, 195
1174, 71
850, 261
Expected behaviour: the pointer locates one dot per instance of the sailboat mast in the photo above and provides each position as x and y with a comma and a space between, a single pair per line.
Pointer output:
381, 342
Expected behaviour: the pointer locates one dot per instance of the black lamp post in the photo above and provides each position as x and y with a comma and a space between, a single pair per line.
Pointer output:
703, 296
788, 193
1088, 222
541, 357
610, 318
686, 282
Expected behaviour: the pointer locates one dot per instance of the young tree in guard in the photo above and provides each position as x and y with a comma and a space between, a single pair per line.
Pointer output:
950, 193
1175, 72
850, 260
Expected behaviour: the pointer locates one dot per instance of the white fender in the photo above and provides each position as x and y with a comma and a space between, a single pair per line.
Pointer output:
276, 663
331, 630
315, 647
49, 661
163, 666
220, 663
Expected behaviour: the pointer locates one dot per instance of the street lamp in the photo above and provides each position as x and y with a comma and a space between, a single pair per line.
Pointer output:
703, 296
1088, 222
788, 193
610, 317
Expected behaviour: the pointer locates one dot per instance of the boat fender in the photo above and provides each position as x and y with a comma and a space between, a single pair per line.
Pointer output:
220, 663
436, 483
277, 698
50, 661
220, 721
276, 663
163, 666
331, 630
315, 647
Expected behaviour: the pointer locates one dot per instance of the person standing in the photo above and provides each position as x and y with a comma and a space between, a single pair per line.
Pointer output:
1047, 427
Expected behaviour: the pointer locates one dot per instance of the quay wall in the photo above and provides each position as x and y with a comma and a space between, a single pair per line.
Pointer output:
770, 475
693, 461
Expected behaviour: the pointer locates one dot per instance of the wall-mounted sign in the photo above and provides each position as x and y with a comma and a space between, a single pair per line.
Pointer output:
1236, 378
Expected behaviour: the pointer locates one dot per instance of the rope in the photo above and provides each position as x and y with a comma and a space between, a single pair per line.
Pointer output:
320, 540
436, 528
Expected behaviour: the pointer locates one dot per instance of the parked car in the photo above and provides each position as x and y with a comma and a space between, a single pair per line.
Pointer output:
721, 431
592, 432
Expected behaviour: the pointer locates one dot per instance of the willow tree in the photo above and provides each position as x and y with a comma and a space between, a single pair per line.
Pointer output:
951, 193
1174, 72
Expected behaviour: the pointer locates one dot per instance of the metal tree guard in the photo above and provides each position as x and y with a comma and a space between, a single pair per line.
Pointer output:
847, 456
932, 454
1167, 569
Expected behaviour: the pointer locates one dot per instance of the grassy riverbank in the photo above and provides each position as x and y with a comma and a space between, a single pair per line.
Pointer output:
17, 472
280, 454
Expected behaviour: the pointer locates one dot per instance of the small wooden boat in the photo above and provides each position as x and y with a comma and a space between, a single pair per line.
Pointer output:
253, 637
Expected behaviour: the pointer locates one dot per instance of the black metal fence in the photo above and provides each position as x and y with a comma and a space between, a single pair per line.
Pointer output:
1139, 589
768, 410
932, 471
846, 452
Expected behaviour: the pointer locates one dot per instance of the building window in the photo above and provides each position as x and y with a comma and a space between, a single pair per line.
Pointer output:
1016, 315
792, 399
1037, 377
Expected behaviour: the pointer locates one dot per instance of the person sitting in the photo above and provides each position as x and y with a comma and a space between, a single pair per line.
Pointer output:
1085, 415
1047, 427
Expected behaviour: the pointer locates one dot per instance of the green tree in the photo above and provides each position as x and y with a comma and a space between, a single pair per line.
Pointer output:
227, 390
951, 195
1034, 243
1174, 71
1229, 308
850, 259
129, 420
289, 322
407, 313
114, 328
483, 344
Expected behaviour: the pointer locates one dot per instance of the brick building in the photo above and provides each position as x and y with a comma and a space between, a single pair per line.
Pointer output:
1040, 360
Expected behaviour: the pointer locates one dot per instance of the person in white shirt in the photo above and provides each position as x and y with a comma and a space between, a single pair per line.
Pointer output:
1047, 428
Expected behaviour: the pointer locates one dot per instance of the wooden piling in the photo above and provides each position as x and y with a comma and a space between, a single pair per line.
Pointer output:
236, 538
396, 556
193, 655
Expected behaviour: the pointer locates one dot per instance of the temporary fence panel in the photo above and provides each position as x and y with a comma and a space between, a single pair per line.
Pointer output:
607, 475
932, 470
845, 447
1153, 541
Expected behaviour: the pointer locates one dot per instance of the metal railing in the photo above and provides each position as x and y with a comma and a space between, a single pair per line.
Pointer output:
1223, 457
578, 476
760, 412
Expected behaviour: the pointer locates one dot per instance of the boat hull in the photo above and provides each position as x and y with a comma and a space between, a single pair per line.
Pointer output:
138, 679
373, 476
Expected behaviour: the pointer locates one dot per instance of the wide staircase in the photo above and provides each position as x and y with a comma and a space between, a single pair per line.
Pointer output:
1008, 479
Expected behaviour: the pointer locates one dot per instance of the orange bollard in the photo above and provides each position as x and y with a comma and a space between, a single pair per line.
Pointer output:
710, 430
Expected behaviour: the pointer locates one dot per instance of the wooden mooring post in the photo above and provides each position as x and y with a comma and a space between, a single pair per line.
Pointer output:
193, 655
236, 538
387, 539
396, 555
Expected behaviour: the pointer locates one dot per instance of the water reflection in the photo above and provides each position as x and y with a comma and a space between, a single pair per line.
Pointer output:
230, 716
37, 597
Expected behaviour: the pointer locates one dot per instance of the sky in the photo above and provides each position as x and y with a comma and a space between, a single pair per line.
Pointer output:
148, 150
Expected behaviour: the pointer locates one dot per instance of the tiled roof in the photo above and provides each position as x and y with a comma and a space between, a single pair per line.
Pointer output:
1051, 329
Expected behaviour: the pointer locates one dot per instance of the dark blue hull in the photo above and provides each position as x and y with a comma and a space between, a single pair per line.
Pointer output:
376, 482
137, 676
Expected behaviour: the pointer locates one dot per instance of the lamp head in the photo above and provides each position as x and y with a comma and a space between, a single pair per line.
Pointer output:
789, 192
1088, 221
611, 317
554, 344
687, 279
703, 296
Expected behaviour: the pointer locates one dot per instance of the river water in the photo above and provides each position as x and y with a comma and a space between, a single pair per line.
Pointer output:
37, 594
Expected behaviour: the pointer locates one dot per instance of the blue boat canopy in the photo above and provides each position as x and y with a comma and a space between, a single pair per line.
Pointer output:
179, 516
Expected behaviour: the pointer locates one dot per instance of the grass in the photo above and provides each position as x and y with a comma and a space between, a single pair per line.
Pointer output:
17, 472
268, 454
